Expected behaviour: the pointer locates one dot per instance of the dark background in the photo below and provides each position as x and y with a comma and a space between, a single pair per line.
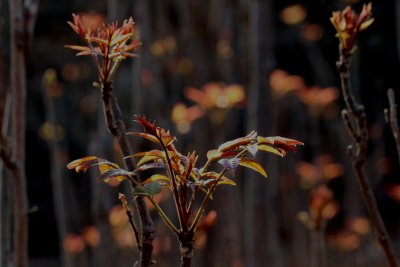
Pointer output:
191, 43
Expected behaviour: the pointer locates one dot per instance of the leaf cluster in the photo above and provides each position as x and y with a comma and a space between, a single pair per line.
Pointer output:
181, 174
108, 44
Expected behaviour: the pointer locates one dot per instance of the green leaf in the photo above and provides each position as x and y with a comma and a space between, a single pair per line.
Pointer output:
254, 165
150, 189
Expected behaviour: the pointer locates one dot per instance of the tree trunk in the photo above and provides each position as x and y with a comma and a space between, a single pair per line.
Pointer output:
58, 162
260, 226
18, 88
186, 249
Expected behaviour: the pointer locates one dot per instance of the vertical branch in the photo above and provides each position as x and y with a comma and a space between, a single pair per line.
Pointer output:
186, 248
355, 120
117, 127
18, 87
392, 119
179, 207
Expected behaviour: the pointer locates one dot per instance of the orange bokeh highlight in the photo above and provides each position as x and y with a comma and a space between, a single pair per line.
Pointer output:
315, 97
73, 244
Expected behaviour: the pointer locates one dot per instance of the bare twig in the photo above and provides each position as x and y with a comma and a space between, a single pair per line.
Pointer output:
355, 119
392, 119
131, 221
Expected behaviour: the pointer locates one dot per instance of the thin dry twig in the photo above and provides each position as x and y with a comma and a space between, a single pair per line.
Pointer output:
391, 117
354, 115
356, 121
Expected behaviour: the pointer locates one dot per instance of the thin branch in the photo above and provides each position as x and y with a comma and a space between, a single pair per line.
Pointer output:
392, 119
355, 119
209, 195
178, 204
170, 225
133, 225
116, 125
191, 203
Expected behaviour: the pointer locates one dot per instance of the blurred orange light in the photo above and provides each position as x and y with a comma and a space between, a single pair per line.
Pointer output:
394, 192
50, 131
359, 225
312, 32
345, 240
384, 165
117, 216
216, 95
73, 244
282, 83
332, 170
91, 236
293, 14
224, 49
185, 66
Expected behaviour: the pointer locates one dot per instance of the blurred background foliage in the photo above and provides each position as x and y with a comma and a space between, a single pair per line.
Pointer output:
211, 71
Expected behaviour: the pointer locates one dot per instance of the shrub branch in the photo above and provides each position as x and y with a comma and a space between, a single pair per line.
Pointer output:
355, 119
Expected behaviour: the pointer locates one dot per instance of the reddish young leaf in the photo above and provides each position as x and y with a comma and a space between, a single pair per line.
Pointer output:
165, 136
215, 154
279, 142
189, 164
85, 163
78, 47
242, 141
146, 136
148, 127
